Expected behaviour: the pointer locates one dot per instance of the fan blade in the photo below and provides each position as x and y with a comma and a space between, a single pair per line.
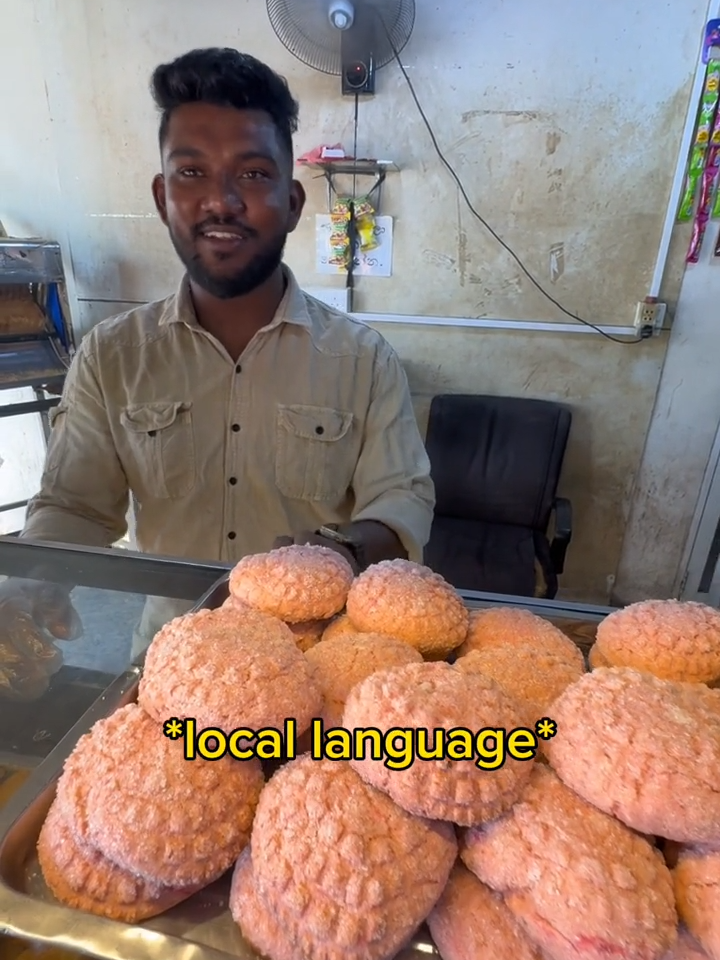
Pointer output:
304, 28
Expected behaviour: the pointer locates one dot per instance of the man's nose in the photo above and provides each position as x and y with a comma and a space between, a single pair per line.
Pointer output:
224, 196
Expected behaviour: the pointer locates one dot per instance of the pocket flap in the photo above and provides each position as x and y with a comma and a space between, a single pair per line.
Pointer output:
149, 417
314, 423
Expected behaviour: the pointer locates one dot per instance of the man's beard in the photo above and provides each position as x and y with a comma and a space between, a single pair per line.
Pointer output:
262, 266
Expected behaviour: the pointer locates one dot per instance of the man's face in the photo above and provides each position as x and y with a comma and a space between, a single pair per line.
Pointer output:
227, 196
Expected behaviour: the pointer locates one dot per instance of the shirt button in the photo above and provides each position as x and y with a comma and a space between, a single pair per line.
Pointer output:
238, 369
232, 535
232, 480
319, 431
235, 427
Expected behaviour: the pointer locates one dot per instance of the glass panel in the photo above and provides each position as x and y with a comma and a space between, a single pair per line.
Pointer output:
60, 650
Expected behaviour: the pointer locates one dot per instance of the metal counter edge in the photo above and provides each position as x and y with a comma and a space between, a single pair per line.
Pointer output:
129, 571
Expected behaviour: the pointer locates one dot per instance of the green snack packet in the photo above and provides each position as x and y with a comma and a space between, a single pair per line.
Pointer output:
715, 212
709, 103
695, 170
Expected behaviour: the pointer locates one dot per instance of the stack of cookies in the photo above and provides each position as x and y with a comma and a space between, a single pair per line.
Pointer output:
601, 841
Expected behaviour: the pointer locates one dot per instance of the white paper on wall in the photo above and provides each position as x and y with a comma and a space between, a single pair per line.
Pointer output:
373, 263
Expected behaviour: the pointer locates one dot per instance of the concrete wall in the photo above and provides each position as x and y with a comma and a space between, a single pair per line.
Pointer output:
555, 116
679, 442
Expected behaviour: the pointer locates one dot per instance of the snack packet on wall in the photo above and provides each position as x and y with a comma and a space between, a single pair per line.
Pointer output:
703, 214
695, 169
340, 210
708, 180
363, 208
716, 205
366, 233
698, 234
709, 103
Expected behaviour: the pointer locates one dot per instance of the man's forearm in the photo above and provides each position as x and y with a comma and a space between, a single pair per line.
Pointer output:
56, 524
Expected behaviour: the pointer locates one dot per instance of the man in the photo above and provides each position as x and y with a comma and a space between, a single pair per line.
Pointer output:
239, 412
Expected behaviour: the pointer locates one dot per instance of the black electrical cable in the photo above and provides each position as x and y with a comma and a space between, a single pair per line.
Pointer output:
645, 333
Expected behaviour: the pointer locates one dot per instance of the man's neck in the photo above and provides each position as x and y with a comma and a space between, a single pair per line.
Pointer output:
235, 322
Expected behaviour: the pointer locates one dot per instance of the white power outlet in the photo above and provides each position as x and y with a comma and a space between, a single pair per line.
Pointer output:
336, 297
650, 315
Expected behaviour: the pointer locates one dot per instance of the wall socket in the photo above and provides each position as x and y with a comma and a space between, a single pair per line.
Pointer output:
650, 315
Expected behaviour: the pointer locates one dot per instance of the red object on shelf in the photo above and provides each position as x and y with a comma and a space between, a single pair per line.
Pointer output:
319, 154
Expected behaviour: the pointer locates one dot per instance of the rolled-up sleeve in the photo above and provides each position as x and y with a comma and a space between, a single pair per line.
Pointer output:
392, 482
83, 496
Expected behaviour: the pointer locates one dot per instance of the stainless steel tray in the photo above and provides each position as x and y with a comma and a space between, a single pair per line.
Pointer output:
201, 928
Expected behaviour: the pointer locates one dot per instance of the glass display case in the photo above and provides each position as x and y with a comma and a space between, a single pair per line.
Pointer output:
90, 677
108, 591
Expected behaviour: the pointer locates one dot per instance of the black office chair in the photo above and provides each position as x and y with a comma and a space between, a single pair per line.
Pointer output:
496, 463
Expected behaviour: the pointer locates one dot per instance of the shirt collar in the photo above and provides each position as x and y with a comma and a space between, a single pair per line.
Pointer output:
293, 308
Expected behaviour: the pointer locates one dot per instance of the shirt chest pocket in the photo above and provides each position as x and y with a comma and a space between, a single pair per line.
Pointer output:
315, 452
161, 443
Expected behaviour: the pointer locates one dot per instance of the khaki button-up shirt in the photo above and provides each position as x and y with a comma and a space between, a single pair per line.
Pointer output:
314, 424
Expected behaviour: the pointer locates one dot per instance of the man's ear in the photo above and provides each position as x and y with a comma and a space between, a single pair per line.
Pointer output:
158, 192
297, 204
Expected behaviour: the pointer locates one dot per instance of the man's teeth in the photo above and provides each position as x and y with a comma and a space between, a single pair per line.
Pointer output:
223, 236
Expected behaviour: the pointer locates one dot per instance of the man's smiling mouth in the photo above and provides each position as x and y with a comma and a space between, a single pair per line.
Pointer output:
222, 235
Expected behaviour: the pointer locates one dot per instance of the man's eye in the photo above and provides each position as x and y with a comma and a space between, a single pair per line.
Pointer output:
189, 172
255, 175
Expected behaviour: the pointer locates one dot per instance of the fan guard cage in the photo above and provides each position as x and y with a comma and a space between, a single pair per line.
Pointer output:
304, 28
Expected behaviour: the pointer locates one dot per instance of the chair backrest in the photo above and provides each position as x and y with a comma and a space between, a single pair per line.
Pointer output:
496, 459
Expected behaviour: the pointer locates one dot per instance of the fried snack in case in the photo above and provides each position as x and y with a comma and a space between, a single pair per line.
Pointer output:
81, 877
472, 922
437, 697
663, 733
24, 681
409, 601
697, 892
297, 583
582, 885
672, 639
346, 872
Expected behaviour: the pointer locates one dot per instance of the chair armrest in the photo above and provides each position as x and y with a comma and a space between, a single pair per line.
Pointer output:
562, 508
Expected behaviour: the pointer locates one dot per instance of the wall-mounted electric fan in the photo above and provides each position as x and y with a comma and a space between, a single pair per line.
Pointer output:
351, 39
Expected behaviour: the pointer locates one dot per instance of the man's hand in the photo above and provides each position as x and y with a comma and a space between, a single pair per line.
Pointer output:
307, 537
376, 542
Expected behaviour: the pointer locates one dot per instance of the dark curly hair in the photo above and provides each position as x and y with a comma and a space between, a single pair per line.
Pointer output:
226, 78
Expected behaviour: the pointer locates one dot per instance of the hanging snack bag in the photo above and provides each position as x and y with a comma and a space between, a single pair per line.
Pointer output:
340, 212
695, 169
339, 239
708, 107
366, 233
365, 224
